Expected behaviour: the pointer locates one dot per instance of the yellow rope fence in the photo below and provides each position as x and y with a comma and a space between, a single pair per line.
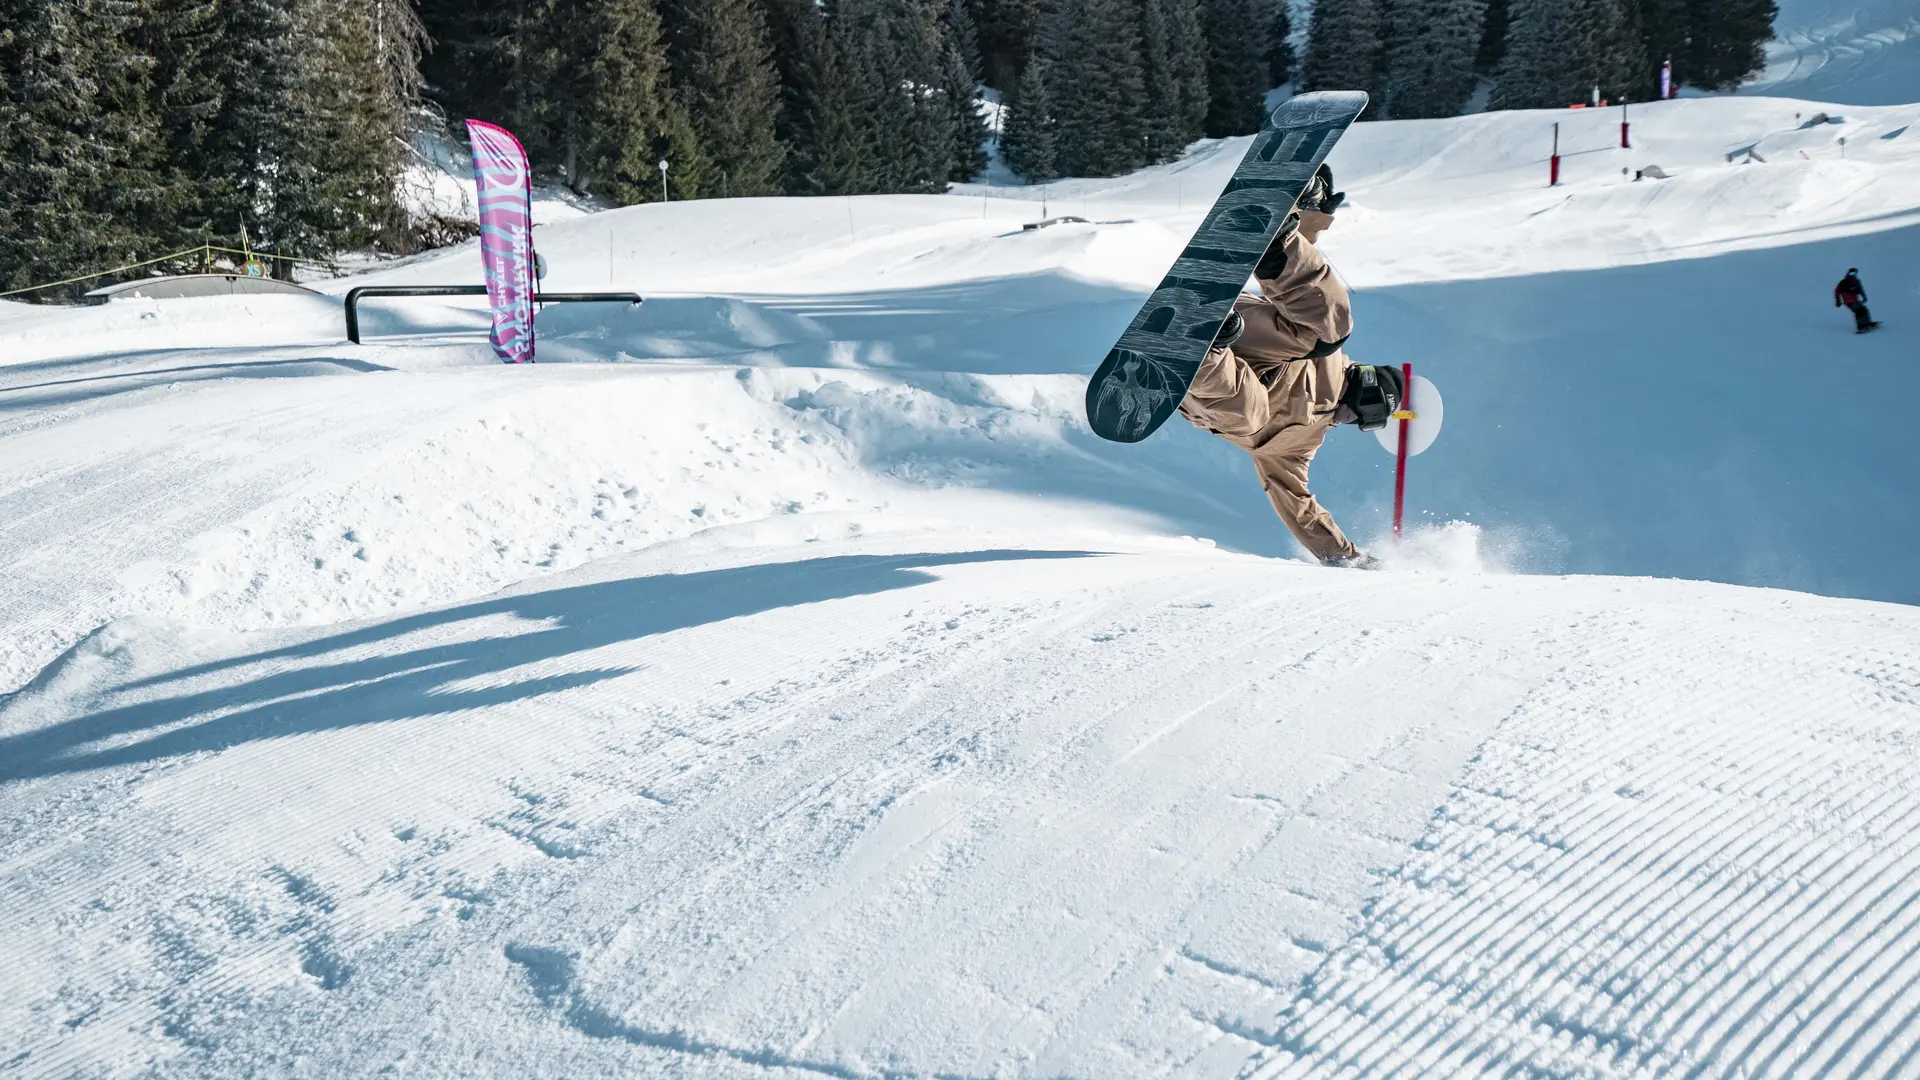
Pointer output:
204, 250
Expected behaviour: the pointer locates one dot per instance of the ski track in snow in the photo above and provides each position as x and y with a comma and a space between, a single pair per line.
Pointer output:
1636, 878
1866, 52
789, 685
954, 813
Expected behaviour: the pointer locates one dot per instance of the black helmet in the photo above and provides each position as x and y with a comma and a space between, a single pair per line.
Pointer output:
1374, 393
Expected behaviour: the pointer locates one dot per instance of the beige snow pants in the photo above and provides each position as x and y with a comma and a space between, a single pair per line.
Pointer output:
1275, 392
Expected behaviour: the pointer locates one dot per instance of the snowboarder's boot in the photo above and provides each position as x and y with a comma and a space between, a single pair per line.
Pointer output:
1358, 561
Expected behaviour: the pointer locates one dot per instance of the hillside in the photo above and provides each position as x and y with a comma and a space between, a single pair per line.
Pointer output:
778, 679
1859, 52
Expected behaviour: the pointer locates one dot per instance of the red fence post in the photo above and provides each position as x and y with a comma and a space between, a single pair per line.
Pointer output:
1400, 466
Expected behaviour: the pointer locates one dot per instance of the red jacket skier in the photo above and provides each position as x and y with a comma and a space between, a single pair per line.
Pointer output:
1853, 295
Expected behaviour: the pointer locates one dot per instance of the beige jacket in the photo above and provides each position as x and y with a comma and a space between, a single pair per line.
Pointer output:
1267, 395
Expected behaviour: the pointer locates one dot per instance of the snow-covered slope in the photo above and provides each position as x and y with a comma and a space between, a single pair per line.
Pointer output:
805, 692
878, 809
1856, 52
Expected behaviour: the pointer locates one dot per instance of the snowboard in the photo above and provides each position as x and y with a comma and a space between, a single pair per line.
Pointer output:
1147, 372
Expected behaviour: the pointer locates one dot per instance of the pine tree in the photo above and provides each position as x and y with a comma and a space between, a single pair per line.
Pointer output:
1430, 63
1559, 50
373, 92
822, 138
1095, 85
1174, 67
599, 105
1280, 45
722, 62
584, 84
964, 32
257, 144
633, 118
338, 172
1007, 30
77, 141
1343, 47
1634, 74
881, 98
176, 40
479, 65
962, 96
961, 85
398, 40
795, 30
914, 137
1493, 39
1727, 41
1028, 138
1238, 63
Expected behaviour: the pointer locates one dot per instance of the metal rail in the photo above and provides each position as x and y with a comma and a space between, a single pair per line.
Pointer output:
354, 296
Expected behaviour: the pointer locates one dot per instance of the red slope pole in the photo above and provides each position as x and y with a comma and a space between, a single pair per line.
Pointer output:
1553, 167
1405, 416
1624, 145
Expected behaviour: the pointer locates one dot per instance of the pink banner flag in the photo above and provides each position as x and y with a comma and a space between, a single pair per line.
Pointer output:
504, 185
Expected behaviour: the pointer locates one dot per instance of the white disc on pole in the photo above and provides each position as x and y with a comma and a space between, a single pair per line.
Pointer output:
1428, 411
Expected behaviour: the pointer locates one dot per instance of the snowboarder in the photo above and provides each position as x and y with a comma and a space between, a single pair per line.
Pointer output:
1276, 379
1854, 296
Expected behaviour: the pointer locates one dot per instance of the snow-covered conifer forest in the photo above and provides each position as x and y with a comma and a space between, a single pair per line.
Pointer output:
130, 129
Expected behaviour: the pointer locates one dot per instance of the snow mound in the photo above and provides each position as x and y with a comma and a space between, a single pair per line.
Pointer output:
968, 809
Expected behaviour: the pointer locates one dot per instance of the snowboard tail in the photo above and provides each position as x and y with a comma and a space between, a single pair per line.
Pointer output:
1146, 374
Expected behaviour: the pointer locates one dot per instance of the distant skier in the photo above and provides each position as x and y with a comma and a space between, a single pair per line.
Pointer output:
1275, 379
1854, 295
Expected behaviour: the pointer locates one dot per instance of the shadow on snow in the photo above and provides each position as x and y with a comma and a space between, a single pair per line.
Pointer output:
315, 686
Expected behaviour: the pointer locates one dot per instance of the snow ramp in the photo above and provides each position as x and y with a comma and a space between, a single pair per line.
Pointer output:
885, 809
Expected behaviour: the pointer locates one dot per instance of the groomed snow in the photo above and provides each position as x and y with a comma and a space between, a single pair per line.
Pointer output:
1857, 52
779, 681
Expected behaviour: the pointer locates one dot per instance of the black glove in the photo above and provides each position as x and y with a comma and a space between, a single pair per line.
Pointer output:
1230, 331
1274, 262
1319, 194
